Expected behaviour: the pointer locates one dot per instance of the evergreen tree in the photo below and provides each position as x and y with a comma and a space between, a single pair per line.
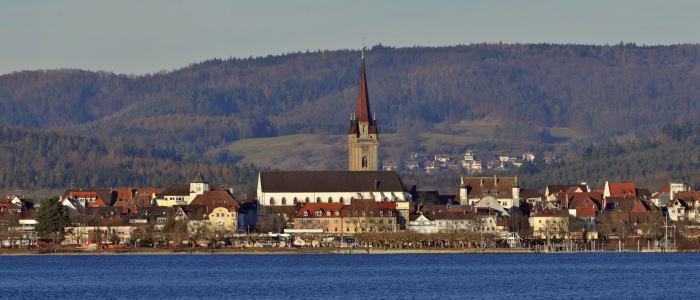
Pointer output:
52, 217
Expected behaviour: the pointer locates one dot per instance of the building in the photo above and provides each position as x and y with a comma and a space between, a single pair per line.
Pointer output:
319, 218
367, 215
504, 191
287, 188
363, 135
182, 194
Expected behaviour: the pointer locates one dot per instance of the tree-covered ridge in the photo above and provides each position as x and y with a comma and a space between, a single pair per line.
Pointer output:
33, 159
599, 91
649, 162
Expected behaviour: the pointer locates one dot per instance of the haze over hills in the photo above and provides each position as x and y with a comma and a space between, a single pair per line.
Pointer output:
511, 97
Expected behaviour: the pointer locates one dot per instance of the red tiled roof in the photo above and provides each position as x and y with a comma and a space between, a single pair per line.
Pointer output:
622, 189
585, 212
313, 207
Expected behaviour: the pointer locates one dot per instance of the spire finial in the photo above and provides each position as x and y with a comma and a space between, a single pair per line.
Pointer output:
363, 46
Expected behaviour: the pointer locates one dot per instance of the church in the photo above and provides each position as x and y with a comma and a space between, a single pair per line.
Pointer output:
361, 181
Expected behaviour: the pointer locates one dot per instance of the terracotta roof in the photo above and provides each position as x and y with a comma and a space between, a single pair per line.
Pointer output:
585, 211
664, 190
313, 207
622, 189
558, 188
330, 181
214, 197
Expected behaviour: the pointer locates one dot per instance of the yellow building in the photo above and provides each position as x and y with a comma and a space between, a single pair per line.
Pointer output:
223, 218
552, 224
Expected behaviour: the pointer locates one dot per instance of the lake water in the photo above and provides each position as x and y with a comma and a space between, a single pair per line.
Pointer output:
330, 276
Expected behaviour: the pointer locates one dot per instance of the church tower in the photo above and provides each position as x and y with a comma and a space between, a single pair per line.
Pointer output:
362, 136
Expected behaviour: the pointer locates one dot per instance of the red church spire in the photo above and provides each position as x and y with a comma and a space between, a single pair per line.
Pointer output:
363, 112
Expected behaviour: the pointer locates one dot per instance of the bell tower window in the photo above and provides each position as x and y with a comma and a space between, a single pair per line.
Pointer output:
364, 161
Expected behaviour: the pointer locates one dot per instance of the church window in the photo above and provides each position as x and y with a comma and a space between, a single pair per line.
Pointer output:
330, 199
364, 161
307, 200
272, 201
318, 200
295, 200
284, 201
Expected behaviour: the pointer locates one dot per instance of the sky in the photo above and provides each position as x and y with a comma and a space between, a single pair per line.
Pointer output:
148, 36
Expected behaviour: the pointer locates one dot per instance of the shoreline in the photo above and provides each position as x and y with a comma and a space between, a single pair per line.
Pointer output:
291, 251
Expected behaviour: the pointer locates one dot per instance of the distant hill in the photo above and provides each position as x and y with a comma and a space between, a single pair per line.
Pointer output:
594, 92
47, 160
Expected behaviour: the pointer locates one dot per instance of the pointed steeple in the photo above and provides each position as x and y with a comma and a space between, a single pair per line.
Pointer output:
363, 112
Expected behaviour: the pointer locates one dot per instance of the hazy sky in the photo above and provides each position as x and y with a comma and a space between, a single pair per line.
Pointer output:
146, 36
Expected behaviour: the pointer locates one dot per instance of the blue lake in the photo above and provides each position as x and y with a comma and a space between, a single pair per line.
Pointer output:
331, 276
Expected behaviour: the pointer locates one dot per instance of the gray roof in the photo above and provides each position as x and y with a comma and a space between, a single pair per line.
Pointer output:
330, 181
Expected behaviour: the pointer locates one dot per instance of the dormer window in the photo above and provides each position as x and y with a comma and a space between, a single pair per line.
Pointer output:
319, 213
328, 213
337, 212
306, 213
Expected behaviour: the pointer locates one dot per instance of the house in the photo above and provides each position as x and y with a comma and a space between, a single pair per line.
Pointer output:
549, 224
183, 194
444, 158
389, 165
676, 210
556, 189
223, 217
77, 201
501, 194
287, 188
318, 218
618, 189
529, 156
368, 215
422, 224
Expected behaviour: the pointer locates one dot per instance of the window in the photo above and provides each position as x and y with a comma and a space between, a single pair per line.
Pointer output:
328, 222
319, 213
336, 222
337, 212
284, 201
390, 213
364, 213
328, 213
306, 214
307, 200
318, 200
381, 213
364, 161
330, 199
272, 201
295, 200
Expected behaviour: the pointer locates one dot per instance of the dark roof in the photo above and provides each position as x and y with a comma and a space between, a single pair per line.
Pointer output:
529, 193
176, 190
330, 181
478, 187
199, 179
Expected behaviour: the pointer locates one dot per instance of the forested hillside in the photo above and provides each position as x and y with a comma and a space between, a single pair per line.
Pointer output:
38, 159
597, 91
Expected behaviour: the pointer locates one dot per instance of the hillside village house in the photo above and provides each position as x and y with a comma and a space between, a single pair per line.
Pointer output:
287, 188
